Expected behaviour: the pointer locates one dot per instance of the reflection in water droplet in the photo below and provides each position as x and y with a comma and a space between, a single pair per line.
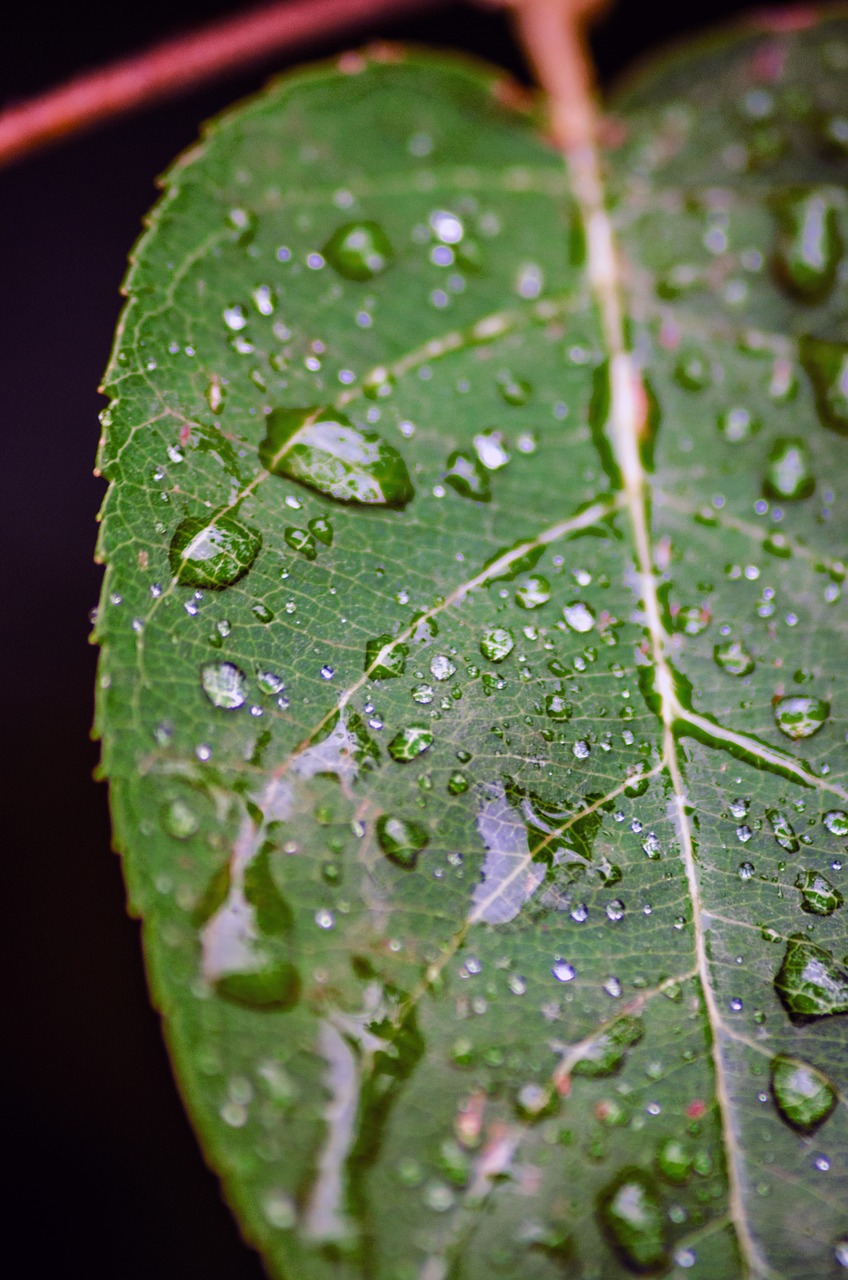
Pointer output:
818, 896
497, 643
788, 476
799, 717
810, 983
392, 658
358, 250
783, 831
467, 477
401, 840
224, 684
804, 1096
809, 245
631, 1214
412, 741
212, 551
323, 449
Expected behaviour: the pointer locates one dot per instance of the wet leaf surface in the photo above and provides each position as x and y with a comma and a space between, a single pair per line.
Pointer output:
473, 690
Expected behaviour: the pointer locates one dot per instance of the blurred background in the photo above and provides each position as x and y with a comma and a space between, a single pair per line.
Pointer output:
107, 1180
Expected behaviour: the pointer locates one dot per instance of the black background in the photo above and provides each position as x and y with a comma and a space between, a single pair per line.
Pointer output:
107, 1178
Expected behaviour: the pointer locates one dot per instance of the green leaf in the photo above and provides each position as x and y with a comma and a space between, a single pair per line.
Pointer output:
472, 690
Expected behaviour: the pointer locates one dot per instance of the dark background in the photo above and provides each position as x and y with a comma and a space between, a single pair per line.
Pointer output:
107, 1179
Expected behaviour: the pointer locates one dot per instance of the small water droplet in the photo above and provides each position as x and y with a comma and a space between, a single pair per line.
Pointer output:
692, 371
737, 425
810, 983
836, 821
179, 820
497, 643
458, 783
800, 717
532, 591
412, 741
563, 971
809, 244
321, 529
300, 540
788, 476
358, 250
224, 684
803, 1095
514, 390
826, 364
578, 616
441, 667
818, 896
491, 450
691, 619
467, 477
212, 551
783, 831
631, 1214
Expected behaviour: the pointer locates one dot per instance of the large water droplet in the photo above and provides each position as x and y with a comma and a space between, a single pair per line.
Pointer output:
783, 831
734, 658
631, 1213
809, 245
578, 616
804, 1096
468, 477
300, 540
826, 364
358, 250
810, 983
224, 684
401, 840
800, 717
605, 1054
441, 667
412, 741
392, 658
818, 896
674, 1161
497, 643
323, 449
788, 475
212, 551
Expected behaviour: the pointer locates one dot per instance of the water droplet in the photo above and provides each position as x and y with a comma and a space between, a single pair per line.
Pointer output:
691, 619
324, 450
809, 245
224, 684
818, 896
631, 1213
840, 1252
606, 1052
532, 591
514, 390
674, 1161
836, 822
563, 971
412, 741
692, 371
810, 983
799, 717
358, 250
557, 707
179, 820
467, 477
458, 783
783, 831
497, 643
401, 840
788, 476
300, 540
392, 658
737, 425
826, 364
804, 1096
578, 616
441, 667
491, 450
212, 551
321, 529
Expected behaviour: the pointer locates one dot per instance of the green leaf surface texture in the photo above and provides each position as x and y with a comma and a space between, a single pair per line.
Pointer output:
473, 690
